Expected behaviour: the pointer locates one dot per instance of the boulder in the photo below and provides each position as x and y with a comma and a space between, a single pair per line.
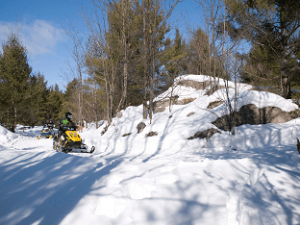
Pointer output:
185, 101
214, 104
214, 88
104, 129
140, 127
205, 134
190, 114
150, 134
125, 135
161, 105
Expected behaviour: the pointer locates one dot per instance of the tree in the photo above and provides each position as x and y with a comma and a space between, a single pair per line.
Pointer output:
125, 50
199, 55
77, 72
71, 98
175, 56
154, 26
34, 109
14, 75
54, 102
271, 24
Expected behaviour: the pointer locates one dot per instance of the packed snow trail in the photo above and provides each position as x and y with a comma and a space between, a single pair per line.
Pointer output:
258, 186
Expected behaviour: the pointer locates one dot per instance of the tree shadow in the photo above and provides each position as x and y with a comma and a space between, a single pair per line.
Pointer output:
58, 182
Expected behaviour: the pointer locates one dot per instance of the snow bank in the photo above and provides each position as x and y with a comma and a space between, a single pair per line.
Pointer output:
6, 136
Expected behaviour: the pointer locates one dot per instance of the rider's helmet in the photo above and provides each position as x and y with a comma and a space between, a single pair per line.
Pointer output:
50, 121
68, 115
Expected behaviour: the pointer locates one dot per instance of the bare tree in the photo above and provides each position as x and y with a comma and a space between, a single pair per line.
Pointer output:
212, 15
77, 53
123, 101
102, 67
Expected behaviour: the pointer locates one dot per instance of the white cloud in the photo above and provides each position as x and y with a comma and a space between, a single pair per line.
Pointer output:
39, 37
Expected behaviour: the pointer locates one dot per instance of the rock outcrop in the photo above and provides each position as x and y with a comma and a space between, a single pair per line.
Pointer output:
205, 134
250, 114
194, 84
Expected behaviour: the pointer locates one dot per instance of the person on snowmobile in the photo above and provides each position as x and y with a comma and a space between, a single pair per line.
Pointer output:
50, 125
64, 124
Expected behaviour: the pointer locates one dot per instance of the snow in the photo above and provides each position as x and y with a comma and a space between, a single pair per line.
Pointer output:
250, 178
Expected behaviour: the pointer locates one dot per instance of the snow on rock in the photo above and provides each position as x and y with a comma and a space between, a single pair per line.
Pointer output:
175, 127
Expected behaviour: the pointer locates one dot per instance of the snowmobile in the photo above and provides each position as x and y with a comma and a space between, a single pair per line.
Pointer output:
46, 133
70, 140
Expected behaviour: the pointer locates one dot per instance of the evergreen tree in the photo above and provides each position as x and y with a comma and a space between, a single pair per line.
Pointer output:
175, 56
70, 100
198, 58
174, 59
54, 101
272, 24
34, 111
14, 74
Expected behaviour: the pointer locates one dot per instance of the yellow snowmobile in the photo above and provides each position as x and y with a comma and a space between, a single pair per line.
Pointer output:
46, 133
69, 141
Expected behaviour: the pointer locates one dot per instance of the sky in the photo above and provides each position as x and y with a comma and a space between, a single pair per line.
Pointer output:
41, 27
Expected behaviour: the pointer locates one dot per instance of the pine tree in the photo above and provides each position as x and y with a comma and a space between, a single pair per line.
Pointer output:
34, 109
54, 101
198, 58
14, 74
175, 57
272, 24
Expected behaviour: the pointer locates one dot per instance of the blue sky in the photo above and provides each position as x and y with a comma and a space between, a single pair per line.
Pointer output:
40, 26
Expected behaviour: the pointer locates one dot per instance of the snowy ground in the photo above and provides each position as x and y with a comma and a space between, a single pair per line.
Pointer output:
251, 178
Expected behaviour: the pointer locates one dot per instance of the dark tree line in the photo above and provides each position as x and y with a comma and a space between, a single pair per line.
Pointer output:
24, 96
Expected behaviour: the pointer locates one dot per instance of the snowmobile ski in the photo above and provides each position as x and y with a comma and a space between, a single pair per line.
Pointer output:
91, 151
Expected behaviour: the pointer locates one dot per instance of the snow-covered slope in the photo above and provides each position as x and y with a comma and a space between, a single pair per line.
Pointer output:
250, 178
174, 128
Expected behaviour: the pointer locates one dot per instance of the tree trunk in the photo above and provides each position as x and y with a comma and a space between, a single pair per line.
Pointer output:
145, 75
123, 100
286, 89
111, 90
107, 91
15, 119
286, 85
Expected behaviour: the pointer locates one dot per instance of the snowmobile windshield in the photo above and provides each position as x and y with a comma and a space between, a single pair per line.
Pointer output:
69, 127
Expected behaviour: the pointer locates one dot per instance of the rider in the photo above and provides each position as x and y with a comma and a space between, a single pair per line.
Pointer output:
50, 125
64, 123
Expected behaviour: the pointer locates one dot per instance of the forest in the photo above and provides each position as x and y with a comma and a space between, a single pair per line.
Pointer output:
130, 57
